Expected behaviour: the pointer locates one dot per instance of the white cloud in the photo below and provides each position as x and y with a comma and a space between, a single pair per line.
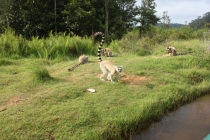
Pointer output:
180, 11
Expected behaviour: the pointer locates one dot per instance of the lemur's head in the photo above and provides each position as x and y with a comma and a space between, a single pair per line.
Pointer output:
168, 49
119, 68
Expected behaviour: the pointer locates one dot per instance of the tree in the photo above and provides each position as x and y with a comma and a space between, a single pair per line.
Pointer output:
4, 13
165, 20
207, 25
106, 5
147, 16
55, 10
123, 17
81, 17
200, 21
37, 17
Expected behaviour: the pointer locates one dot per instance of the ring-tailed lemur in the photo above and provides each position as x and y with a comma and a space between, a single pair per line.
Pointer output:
107, 67
172, 51
82, 59
106, 52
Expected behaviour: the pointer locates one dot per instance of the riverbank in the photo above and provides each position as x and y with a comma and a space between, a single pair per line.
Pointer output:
40, 99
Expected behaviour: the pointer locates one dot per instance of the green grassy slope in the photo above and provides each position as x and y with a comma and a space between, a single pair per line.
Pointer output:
40, 99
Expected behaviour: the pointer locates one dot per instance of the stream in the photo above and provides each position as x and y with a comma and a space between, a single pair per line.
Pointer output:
189, 122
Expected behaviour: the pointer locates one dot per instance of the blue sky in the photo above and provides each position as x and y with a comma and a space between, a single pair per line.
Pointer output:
180, 11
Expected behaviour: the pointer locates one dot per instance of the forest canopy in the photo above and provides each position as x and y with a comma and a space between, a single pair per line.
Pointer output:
115, 18
201, 21
78, 17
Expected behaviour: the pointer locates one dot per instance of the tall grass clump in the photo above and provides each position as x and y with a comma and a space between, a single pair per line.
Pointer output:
13, 46
159, 34
115, 46
203, 56
61, 45
132, 43
38, 69
41, 74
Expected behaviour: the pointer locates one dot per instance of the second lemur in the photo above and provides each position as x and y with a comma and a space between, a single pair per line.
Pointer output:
82, 60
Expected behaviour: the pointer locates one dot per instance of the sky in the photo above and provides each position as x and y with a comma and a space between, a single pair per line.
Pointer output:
180, 11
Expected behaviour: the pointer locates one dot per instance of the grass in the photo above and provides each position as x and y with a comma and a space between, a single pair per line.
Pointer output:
40, 99
63, 45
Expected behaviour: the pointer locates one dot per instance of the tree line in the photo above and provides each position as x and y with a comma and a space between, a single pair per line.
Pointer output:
37, 18
201, 22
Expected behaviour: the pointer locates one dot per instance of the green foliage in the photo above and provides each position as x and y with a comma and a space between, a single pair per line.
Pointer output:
195, 77
38, 18
62, 45
166, 21
122, 18
5, 12
41, 74
13, 46
184, 32
115, 46
147, 16
148, 44
5, 62
39, 71
76, 12
201, 21
133, 44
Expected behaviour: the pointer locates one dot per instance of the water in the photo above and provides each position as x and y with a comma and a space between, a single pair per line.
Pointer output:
189, 122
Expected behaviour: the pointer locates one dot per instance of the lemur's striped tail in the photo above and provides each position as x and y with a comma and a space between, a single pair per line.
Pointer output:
101, 44
71, 69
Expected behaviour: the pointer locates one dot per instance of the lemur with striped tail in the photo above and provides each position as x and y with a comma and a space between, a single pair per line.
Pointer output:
107, 67
82, 60
172, 51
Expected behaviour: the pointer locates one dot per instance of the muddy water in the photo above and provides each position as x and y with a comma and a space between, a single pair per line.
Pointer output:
190, 122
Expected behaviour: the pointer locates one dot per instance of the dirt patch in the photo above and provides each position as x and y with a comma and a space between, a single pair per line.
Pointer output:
134, 80
166, 55
3, 108
11, 102
14, 101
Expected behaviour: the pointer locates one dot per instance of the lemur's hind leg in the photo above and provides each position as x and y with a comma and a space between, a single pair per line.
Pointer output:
103, 75
109, 77
105, 72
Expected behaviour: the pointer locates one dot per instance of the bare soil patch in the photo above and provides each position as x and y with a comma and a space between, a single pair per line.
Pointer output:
13, 101
166, 55
134, 80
